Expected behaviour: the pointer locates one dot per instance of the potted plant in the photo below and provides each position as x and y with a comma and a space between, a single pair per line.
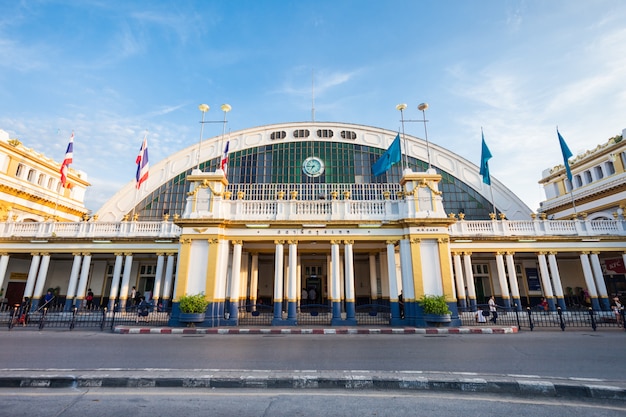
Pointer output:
192, 308
435, 309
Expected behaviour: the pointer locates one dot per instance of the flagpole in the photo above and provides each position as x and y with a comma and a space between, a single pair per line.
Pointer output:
422, 107
567, 154
405, 163
225, 108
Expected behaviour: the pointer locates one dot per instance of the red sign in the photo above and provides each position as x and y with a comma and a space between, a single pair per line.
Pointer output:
614, 266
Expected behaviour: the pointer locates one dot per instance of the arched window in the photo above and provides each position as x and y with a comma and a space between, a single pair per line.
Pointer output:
19, 171
31, 176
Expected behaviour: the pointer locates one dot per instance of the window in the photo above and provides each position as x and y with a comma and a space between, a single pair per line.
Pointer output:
40, 179
31, 176
324, 133
588, 178
609, 167
578, 182
598, 172
278, 135
50, 183
348, 134
301, 133
19, 171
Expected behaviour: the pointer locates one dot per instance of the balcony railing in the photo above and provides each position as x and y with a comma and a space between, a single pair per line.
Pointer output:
312, 210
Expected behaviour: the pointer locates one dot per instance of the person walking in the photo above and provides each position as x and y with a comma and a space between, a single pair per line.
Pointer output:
617, 308
492, 309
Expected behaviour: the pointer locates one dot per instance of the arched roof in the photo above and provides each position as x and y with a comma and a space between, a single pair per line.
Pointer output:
186, 159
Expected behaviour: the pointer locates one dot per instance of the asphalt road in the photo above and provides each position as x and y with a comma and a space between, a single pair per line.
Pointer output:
251, 403
551, 354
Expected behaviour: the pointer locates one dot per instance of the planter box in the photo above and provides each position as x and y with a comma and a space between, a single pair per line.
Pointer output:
191, 317
437, 319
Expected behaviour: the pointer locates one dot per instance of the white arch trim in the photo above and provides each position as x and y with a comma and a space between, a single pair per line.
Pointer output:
124, 200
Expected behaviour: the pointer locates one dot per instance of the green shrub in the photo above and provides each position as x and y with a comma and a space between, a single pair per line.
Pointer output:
193, 303
435, 304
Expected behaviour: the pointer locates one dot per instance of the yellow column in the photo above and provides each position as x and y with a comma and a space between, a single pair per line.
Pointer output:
183, 267
446, 268
416, 257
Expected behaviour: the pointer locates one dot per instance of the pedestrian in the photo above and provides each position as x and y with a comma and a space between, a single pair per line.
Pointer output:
47, 299
133, 294
89, 299
142, 309
480, 317
492, 309
23, 312
617, 308
544, 304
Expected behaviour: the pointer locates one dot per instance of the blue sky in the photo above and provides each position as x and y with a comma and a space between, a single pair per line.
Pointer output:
109, 70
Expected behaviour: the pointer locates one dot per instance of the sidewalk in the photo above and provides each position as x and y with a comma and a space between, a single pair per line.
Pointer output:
514, 385
147, 329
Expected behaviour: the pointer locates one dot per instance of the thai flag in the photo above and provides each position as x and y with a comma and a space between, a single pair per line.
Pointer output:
224, 163
142, 163
69, 154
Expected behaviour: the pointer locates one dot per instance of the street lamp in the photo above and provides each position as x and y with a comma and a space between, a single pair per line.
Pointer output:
203, 108
422, 107
402, 107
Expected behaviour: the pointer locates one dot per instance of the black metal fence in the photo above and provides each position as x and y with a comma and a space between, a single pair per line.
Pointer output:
310, 314
59, 317
535, 318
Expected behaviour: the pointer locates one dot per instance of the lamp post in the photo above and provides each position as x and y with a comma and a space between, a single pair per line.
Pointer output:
422, 107
405, 162
225, 108
203, 108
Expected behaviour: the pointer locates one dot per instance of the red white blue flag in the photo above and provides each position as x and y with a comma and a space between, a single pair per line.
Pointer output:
224, 163
142, 163
69, 155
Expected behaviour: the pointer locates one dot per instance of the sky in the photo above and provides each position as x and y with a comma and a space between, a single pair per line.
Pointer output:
109, 70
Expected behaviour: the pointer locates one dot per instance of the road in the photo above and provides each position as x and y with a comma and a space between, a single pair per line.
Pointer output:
557, 354
248, 403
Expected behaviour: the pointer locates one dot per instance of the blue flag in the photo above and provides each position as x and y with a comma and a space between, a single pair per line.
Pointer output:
567, 154
485, 156
393, 155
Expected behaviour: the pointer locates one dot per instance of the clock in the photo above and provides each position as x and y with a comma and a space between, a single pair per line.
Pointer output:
313, 166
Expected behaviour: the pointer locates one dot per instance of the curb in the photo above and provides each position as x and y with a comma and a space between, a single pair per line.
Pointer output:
317, 331
516, 385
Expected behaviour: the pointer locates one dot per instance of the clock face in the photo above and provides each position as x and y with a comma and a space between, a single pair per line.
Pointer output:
313, 166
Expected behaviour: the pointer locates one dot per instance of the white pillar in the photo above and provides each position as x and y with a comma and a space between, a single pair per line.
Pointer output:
545, 277
335, 284
235, 278
510, 265
504, 286
556, 278
406, 268
469, 279
349, 271
459, 280
71, 286
115, 280
603, 294
32, 275
597, 275
391, 270
373, 281
41, 276
278, 272
169, 278
124, 290
84, 277
254, 279
158, 276
292, 281
588, 274
4, 262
